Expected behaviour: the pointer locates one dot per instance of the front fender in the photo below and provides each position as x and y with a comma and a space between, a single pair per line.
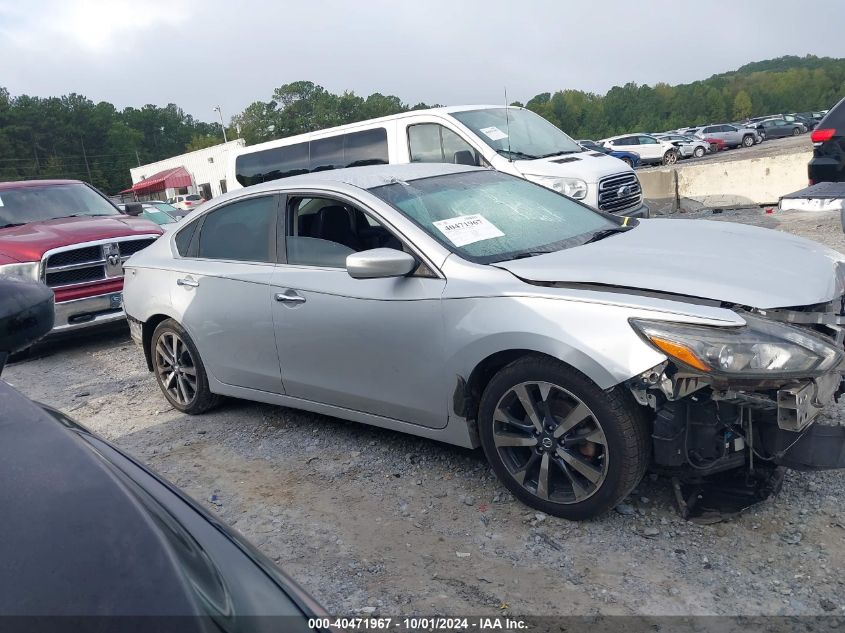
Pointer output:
595, 339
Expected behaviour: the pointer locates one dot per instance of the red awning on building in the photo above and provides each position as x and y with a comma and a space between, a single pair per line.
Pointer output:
167, 179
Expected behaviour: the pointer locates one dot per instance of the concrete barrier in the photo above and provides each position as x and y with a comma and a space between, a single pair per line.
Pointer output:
724, 184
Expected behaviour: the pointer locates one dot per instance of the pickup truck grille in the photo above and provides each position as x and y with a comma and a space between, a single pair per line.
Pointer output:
619, 192
92, 262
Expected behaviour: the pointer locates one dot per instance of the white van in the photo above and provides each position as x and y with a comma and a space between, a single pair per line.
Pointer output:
511, 140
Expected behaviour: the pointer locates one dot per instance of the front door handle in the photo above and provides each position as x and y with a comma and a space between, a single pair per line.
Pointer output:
289, 298
187, 281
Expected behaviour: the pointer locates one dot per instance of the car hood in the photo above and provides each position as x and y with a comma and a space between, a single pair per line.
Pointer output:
587, 165
30, 241
722, 261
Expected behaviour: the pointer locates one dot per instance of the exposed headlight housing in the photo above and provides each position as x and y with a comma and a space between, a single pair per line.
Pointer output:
759, 349
572, 187
28, 271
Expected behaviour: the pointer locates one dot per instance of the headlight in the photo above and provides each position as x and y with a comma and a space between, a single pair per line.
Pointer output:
27, 271
760, 349
572, 187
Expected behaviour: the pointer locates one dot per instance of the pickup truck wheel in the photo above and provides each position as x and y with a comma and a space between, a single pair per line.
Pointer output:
670, 158
558, 442
748, 140
179, 370
698, 152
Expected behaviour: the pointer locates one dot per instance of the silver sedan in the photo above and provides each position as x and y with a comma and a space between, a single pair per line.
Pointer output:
464, 305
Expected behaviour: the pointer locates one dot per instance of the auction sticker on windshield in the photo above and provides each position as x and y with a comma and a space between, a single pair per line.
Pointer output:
467, 229
493, 133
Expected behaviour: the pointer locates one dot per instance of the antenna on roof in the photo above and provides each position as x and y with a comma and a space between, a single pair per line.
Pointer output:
508, 125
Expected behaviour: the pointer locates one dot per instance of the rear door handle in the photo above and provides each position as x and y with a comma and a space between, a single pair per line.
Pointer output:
289, 297
187, 281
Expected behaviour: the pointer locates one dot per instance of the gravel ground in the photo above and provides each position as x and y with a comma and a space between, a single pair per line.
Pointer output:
372, 521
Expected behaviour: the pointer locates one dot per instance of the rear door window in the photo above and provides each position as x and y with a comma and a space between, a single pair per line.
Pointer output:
244, 230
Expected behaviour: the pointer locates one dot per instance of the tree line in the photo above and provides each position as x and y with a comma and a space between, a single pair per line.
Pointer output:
73, 137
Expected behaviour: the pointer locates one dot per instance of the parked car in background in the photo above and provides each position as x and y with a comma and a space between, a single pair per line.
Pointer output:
758, 135
522, 320
68, 235
808, 123
153, 212
732, 136
96, 533
651, 150
186, 202
632, 159
688, 146
828, 162
512, 140
779, 128
716, 144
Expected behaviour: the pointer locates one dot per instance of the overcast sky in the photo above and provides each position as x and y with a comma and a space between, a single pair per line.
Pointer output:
198, 53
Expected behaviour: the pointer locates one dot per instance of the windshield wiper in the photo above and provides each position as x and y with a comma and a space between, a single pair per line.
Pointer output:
6, 226
600, 235
531, 254
517, 154
562, 152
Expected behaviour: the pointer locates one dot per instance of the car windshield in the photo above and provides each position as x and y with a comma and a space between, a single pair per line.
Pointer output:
486, 216
517, 134
36, 203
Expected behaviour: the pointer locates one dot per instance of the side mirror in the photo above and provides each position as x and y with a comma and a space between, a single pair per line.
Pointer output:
26, 314
133, 208
465, 157
379, 263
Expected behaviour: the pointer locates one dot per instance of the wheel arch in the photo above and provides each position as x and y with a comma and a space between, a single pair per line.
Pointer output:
471, 384
147, 329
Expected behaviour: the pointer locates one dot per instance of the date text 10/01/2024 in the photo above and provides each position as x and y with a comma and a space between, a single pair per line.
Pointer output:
418, 624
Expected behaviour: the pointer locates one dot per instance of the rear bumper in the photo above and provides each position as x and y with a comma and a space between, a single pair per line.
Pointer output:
80, 314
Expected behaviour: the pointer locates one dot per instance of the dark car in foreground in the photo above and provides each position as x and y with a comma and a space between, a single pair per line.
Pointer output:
89, 531
828, 162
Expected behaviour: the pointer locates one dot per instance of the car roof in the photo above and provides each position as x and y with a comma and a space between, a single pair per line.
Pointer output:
16, 184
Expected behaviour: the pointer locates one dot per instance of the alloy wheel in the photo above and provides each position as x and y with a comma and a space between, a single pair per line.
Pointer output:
176, 368
551, 443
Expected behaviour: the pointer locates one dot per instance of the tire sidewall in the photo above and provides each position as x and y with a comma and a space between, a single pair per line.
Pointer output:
612, 489
748, 140
698, 152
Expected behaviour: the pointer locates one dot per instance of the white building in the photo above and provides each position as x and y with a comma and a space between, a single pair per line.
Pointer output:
206, 167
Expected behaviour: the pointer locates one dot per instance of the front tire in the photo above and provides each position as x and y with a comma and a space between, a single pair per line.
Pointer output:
559, 443
628, 162
747, 140
698, 152
795, 131
179, 370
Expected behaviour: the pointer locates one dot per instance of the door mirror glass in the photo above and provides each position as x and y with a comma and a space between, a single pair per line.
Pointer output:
26, 314
465, 157
379, 263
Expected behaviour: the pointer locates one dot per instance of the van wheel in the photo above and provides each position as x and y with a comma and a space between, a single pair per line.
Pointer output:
558, 442
179, 370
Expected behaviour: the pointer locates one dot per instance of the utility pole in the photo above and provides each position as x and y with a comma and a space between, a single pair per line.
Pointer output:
85, 156
222, 125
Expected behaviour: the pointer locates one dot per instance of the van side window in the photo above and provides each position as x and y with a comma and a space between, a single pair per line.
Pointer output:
270, 164
433, 143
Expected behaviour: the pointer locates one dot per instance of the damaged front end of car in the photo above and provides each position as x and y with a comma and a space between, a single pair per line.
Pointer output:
734, 406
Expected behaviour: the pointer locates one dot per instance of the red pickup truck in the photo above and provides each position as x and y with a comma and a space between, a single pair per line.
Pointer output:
68, 235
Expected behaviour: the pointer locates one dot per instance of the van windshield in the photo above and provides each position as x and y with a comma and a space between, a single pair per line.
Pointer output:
486, 216
517, 134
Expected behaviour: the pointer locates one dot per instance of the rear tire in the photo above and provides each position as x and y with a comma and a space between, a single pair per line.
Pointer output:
179, 370
592, 450
670, 158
